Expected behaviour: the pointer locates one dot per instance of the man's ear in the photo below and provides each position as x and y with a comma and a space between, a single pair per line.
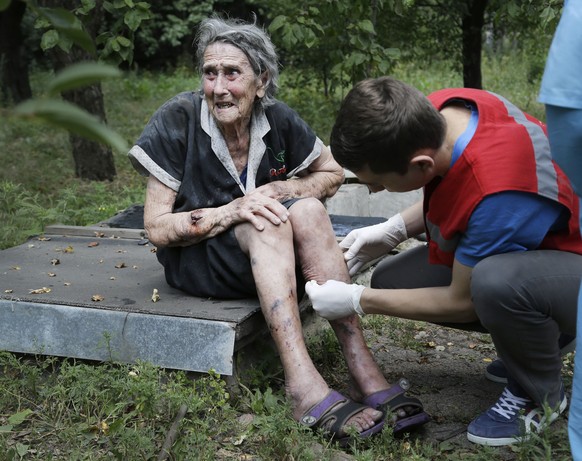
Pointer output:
423, 162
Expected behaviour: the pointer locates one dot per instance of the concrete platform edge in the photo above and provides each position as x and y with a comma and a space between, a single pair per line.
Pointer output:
104, 335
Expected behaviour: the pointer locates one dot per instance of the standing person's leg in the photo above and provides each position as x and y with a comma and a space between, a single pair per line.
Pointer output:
565, 134
321, 259
575, 414
525, 299
272, 259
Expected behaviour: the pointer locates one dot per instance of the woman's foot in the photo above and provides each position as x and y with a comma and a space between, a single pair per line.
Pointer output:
335, 415
306, 402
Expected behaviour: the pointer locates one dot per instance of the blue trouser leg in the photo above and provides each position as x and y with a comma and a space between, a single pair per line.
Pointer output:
575, 415
565, 134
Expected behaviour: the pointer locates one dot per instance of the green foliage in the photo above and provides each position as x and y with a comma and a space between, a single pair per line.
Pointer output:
171, 27
24, 213
103, 411
337, 39
62, 114
65, 115
80, 74
115, 43
302, 92
65, 29
17, 224
345, 41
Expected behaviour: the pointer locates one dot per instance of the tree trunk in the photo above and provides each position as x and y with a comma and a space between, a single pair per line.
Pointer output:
14, 78
472, 27
93, 160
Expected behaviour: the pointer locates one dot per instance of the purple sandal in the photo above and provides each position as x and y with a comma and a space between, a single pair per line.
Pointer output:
392, 399
332, 413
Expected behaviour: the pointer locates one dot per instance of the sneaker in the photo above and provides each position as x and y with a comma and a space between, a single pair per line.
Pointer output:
512, 419
497, 372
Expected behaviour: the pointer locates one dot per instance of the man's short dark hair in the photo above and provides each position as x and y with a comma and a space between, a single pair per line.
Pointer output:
381, 123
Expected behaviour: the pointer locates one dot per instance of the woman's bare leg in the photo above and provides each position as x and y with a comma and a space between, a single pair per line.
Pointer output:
321, 259
272, 257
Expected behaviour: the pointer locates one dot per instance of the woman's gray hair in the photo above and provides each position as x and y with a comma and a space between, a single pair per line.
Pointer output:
250, 39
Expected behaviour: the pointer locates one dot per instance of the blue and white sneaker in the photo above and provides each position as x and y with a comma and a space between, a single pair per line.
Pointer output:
512, 419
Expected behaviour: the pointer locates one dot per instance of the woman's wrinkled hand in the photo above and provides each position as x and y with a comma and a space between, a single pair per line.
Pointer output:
255, 204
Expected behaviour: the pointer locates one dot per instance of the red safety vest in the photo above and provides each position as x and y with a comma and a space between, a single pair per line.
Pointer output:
508, 152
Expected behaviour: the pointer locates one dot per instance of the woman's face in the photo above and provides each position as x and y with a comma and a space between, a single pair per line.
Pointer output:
230, 85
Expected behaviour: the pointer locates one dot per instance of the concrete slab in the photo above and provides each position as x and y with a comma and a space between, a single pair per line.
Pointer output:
88, 297
88, 292
354, 199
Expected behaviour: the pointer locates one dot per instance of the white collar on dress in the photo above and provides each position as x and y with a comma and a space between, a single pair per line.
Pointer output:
259, 127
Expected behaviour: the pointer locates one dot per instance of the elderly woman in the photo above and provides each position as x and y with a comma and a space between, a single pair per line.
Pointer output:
234, 205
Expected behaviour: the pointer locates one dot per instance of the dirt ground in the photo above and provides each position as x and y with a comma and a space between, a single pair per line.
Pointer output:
447, 375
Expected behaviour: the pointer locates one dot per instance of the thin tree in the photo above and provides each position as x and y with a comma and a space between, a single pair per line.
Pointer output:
14, 77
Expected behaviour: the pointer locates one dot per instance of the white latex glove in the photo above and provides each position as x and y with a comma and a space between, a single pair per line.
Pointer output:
369, 243
334, 300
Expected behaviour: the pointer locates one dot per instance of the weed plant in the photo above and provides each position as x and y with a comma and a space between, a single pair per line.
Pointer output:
61, 409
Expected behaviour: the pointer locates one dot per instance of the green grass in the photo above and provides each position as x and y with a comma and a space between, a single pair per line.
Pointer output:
61, 409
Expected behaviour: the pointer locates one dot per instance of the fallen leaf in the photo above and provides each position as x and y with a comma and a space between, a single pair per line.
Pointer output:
69, 249
15, 268
8, 291
67, 284
55, 261
104, 427
120, 265
155, 296
51, 274
472, 346
93, 244
487, 360
42, 238
97, 298
39, 291
99, 234
111, 278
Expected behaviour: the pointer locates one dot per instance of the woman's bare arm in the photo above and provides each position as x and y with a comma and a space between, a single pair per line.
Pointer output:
166, 228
